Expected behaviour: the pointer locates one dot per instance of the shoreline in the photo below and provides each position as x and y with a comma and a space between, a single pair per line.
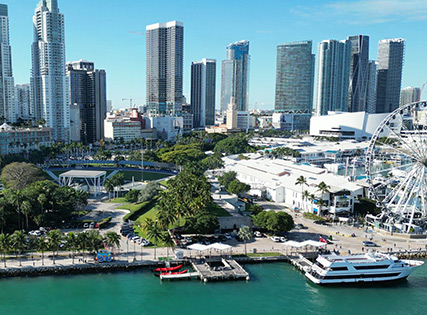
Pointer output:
92, 268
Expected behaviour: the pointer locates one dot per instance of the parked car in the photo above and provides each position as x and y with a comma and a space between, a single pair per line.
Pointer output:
369, 244
189, 239
257, 234
283, 239
92, 225
228, 236
86, 225
275, 238
321, 222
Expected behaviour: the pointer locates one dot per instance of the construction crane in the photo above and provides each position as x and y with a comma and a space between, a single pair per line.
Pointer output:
131, 101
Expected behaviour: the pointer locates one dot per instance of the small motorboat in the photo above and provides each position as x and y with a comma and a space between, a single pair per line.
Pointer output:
167, 269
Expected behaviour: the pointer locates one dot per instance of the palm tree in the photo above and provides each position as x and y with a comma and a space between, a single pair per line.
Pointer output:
72, 242
301, 181
3, 209
82, 241
19, 243
113, 239
26, 210
305, 197
323, 189
54, 238
245, 233
109, 186
169, 242
154, 232
42, 246
4, 245
94, 241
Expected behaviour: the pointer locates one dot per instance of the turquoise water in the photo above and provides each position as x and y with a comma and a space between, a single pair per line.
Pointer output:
274, 288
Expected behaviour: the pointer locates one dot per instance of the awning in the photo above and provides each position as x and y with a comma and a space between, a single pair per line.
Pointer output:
219, 246
199, 247
305, 243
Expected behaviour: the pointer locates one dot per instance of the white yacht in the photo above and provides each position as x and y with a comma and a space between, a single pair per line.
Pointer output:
369, 267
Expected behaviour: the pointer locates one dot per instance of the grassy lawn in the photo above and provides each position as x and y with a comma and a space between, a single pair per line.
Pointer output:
312, 216
216, 210
118, 200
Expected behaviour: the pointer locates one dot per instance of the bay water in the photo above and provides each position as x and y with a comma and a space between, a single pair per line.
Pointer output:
274, 288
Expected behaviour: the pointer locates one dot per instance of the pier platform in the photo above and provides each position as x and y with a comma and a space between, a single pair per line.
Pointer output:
188, 275
301, 263
216, 270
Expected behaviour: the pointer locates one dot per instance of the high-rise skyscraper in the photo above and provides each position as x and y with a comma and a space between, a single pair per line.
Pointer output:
203, 76
23, 101
49, 82
7, 85
165, 54
390, 64
235, 76
409, 95
333, 76
371, 95
357, 94
88, 91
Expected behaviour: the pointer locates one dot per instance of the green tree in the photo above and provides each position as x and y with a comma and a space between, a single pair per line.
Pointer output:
148, 192
226, 178
109, 187
4, 245
3, 213
42, 246
201, 223
245, 233
132, 195
26, 208
20, 175
237, 187
113, 239
301, 181
94, 241
274, 221
18, 241
72, 243
54, 238
154, 232
82, 242
233, 145
213, 162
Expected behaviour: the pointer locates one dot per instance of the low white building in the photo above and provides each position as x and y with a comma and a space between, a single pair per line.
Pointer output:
121, 127
168, 127
277, 178
359, 125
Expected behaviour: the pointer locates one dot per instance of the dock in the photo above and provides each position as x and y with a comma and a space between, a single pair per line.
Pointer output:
301, 263
229, 269
188, 275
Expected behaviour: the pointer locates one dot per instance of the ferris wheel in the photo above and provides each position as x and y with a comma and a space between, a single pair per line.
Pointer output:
396, 168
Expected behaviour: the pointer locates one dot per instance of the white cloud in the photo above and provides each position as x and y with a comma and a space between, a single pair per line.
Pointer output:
367, 11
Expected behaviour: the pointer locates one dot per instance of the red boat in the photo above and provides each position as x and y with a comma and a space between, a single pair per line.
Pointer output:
168, 269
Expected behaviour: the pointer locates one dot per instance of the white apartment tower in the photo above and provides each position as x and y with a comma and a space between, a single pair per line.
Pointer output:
7, 85
49, 82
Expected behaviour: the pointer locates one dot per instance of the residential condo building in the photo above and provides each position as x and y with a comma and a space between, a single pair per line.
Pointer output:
371, 95
390, 64
235, 76
7, 85
88, 91
49, 82
165, 54
409, 95
23, 101
359, 72
203, 77
333, 76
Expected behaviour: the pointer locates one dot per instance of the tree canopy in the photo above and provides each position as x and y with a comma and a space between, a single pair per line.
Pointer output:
274, 221
20, 175
233, 145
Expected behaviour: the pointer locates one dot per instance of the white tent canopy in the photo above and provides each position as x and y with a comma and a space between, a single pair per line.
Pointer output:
199, 247
219, 246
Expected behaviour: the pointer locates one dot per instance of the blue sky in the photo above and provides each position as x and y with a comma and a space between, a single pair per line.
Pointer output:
96, 30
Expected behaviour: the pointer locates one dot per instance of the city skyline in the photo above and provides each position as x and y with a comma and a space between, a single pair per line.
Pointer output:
126, 63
